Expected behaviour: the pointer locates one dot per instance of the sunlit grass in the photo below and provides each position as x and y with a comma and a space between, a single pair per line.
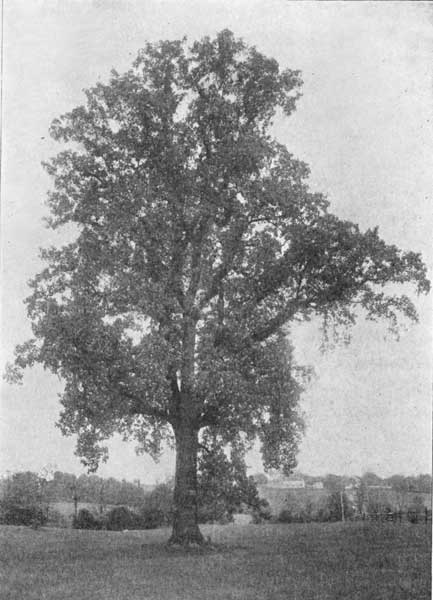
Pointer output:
297, 562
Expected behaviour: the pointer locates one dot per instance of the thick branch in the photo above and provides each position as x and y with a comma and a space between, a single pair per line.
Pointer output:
229, 254
140, 408
273, 325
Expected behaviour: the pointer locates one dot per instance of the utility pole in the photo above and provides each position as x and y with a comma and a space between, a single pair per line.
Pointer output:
101, 498
73, 488
342, 506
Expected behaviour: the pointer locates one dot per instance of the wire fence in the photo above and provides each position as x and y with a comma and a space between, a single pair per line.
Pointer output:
400, 516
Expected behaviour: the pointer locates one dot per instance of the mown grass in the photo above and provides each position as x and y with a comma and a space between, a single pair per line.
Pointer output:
357, 561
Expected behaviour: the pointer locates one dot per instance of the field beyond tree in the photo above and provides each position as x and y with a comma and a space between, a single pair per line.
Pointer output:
356, 561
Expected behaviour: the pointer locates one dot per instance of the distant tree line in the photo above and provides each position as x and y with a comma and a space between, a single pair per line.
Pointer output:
27, 488
332, 482
219, 478
223, 490
347, 497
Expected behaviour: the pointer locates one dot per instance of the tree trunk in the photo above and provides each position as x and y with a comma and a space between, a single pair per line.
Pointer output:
185, 525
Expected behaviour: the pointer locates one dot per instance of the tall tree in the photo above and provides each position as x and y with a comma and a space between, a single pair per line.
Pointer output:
197, 242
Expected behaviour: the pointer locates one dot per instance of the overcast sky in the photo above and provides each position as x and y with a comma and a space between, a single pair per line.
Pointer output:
364, 125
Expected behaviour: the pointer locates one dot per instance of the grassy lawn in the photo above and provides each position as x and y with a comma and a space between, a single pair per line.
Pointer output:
267, 562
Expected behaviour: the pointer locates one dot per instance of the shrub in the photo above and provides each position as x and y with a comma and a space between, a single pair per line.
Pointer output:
412, 516
157, 509
323, 515
285, 516
215, 512
12, 514
298, 512
262, 512
152, 518
298, 516
86, 520
121, 517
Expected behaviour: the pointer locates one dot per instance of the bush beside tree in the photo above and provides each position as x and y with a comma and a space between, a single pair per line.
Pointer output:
157, 508
224, 488
122, 517
87, 520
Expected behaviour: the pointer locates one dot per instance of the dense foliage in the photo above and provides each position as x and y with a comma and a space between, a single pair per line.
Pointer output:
223, 485
13, 514
85, 519
26, 488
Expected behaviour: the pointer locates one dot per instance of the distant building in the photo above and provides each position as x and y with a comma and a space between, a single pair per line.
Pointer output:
292, 484
242, 519
317, 485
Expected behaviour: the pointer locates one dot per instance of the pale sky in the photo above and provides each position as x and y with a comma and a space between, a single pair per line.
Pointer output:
364, 125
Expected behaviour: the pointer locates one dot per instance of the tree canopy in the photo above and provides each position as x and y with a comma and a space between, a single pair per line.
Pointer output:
197, 242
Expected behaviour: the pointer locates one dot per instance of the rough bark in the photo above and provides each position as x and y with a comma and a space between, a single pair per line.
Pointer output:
185, 522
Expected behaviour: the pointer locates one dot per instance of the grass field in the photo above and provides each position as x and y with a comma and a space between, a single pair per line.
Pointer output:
357, 561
